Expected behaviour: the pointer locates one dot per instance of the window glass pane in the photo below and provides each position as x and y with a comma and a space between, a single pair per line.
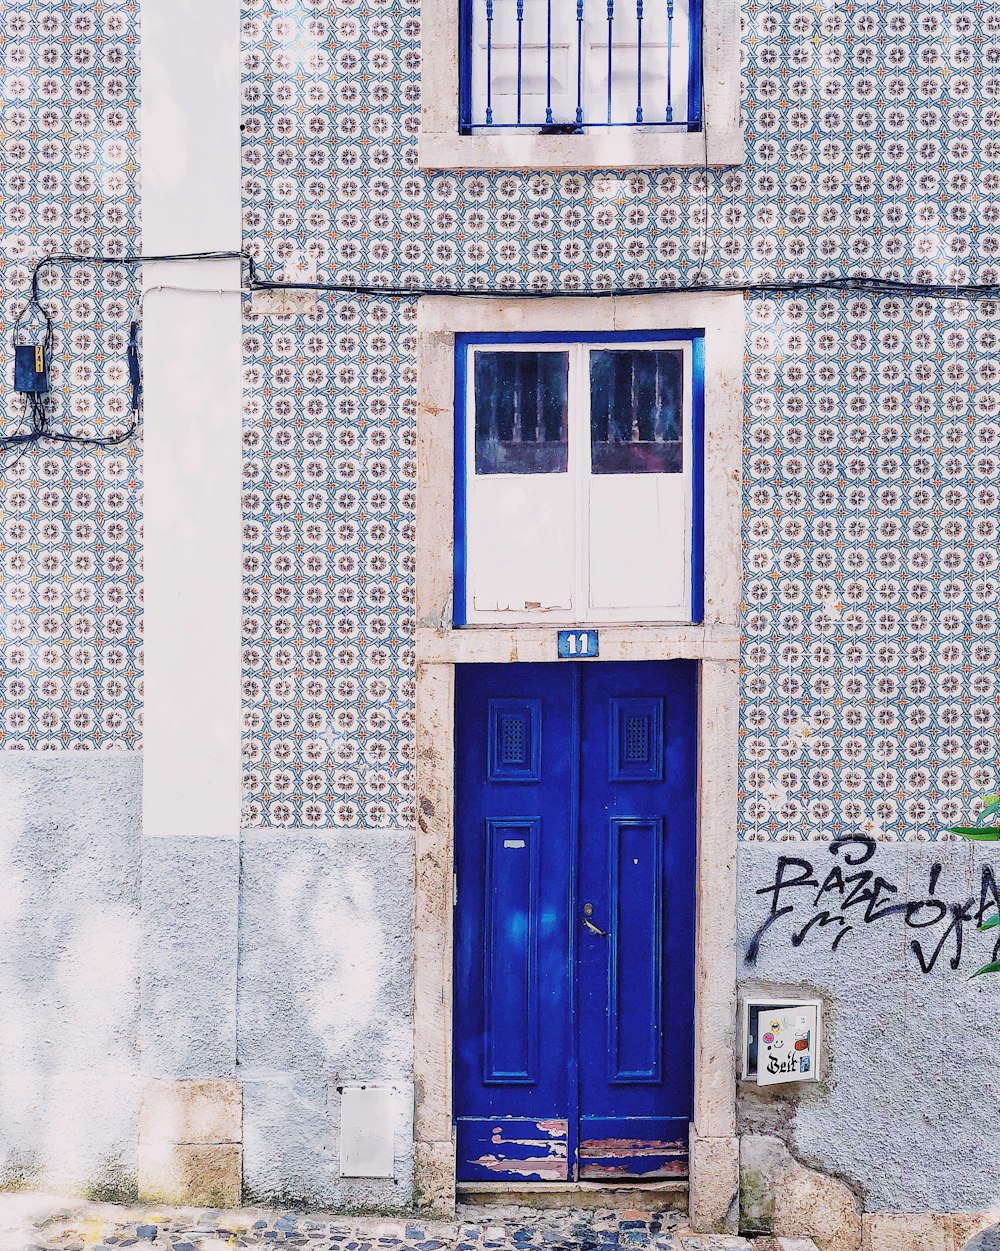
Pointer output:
521, 410
636, 415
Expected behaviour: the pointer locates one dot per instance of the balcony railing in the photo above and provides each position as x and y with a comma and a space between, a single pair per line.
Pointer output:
568, 66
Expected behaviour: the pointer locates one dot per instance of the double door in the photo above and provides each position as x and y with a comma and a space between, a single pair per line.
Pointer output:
574, 920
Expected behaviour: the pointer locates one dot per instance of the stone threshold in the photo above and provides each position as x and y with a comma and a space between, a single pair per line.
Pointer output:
661, 1196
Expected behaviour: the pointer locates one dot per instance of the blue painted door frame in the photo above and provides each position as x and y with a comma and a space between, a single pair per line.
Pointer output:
574, 919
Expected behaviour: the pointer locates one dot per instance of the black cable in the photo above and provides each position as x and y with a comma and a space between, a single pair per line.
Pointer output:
129, 258
36, 412
844, 283
36, 402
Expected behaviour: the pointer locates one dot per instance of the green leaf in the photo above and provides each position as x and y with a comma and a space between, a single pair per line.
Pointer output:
989, 924
992, 967
978, 833
991, 804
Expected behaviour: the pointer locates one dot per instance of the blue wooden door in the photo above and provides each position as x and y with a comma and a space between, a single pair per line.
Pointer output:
574, 919
635, 966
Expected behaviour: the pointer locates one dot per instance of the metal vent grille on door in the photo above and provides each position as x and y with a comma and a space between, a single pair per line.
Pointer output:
512, 740
636, 732
514, 727
637, 740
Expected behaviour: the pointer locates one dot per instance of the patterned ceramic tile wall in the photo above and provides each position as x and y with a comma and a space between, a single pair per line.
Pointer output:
70, 528
871, 459
872, 454
872, 485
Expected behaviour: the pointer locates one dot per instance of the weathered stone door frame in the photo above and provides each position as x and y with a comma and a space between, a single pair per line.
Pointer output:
714, 643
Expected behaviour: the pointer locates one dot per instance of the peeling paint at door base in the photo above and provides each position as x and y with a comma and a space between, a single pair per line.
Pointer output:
514, 1148
633, 1157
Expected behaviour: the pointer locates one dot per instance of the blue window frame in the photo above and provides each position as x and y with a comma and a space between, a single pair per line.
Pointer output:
649, 443
570, 66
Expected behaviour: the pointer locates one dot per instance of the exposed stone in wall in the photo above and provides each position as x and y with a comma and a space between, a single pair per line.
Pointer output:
715, 1184
191, 1142
324, 1000
908, 1054
780, 1196
926, 1231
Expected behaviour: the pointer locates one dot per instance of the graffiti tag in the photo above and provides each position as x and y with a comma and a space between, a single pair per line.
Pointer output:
848, 895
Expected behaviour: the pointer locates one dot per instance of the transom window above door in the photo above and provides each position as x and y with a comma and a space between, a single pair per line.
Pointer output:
573, 66
578, 479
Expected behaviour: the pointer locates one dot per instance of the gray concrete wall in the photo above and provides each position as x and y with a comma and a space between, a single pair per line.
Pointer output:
70, 876
190, 891
124, 960
905, 1111
324, 1000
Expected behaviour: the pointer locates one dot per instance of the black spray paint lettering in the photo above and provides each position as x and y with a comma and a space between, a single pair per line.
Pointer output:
849, 895
790, 1064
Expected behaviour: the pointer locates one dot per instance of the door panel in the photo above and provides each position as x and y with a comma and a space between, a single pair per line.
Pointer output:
635, 955
652, 1148
514, 854
510, 1148
510, 983
574, 926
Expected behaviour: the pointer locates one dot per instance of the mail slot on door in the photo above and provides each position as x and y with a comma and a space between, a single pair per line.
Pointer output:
781, 1040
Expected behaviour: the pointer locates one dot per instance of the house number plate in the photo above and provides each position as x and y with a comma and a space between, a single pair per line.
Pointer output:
578, 644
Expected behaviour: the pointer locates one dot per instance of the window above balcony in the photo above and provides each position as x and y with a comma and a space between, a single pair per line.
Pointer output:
568, 67
580, 84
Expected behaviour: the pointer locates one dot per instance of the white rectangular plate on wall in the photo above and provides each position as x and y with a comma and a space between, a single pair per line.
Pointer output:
367, 1130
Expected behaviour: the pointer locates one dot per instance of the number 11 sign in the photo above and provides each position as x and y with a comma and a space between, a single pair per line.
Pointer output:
577, 644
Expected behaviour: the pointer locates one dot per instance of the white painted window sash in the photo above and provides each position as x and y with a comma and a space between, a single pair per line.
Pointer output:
581, 478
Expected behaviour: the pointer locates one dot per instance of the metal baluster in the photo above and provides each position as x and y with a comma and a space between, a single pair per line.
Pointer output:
540, 432
548, 64
489, 62
657, 434
515, 434
633, 397
520, 48
670, 60
611, 17
579, 62
638, 73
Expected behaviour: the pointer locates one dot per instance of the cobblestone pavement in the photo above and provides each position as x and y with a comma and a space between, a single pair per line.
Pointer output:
41, 1223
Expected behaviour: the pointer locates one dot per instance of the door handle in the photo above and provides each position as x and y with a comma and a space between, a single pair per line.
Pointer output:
588, 912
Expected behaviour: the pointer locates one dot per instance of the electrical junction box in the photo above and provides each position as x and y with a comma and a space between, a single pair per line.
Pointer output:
31, 370
781, 1040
